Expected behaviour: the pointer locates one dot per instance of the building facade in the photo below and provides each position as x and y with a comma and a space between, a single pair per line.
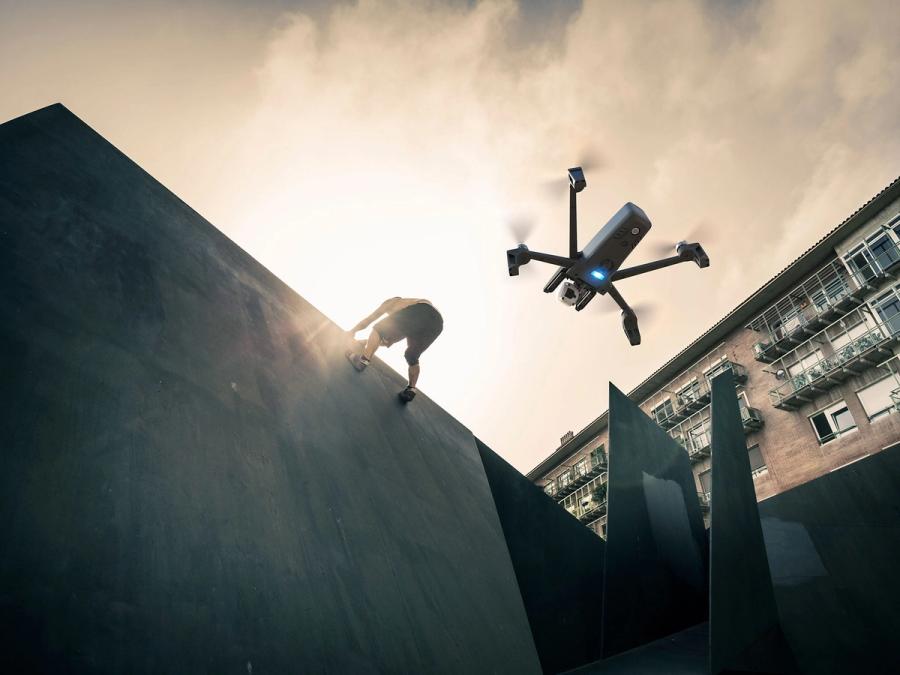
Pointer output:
815, 357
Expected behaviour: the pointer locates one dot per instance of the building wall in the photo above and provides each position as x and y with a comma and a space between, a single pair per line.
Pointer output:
788, 443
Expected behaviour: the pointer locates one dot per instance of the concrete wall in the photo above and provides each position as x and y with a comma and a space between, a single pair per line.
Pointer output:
192, 477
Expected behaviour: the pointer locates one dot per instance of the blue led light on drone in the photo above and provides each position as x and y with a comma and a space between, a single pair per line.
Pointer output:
600, 275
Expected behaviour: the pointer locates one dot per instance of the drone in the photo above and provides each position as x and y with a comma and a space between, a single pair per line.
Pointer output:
584, 274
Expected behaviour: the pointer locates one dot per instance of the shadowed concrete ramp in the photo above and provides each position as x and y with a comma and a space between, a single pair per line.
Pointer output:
192, 477
833, 546
656, 571
744, 631
558, 564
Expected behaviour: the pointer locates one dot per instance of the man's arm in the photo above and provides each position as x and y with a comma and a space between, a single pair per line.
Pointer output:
374, 316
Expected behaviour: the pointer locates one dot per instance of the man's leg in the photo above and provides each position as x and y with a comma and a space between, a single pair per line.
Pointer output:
372, 344
414, 375
360, 361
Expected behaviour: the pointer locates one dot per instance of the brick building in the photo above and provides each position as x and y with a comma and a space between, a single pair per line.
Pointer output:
815, 356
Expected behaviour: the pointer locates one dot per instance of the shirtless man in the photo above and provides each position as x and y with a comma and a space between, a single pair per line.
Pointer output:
412, 318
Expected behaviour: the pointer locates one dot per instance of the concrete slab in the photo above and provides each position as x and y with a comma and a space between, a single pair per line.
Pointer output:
656, 574
745, 634
559, 567
192, 478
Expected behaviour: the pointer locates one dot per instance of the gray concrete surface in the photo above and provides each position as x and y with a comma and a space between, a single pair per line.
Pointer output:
192, 478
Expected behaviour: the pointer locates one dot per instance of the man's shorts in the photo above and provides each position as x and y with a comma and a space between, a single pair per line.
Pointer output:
420, 324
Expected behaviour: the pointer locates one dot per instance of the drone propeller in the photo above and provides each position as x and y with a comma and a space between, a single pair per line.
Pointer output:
701, 232
520, 227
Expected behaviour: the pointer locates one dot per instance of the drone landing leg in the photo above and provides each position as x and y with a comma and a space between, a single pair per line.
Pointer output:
629, 318
584, 299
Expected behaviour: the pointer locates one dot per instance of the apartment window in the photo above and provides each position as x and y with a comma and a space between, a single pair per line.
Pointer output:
849, 335
884, 250
699, 436
757, 461
663, 411
689, 393
550, 488
564, 479
706, 481
720, 367
860, 262
888, 308
876, 398
805, 363
832, 422
598, 456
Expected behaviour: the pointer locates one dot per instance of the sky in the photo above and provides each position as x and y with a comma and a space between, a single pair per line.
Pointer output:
363, 150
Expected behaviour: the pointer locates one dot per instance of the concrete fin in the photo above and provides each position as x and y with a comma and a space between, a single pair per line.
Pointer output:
655, 577
745, 635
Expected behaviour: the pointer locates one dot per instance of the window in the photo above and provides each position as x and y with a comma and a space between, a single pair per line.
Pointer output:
699, 436
804, 363
689, 393
876, 398
706, 481
598, 456
860, 262
845, 338
888, 308
832, 422
720, 367
884, 250
757, 461
663, 411
550, 488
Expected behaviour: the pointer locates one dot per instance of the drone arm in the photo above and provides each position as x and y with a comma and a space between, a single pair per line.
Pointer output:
648, 267
552, 259
573, 223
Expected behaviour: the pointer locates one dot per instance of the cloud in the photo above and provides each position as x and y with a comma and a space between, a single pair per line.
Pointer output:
380, 148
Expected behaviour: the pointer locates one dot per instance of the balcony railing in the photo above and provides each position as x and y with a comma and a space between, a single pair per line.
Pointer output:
819, 300
750, 417
737, 370
832, 357
589, 502
704, 500
593, 511
875, 260
695, 433
577, 475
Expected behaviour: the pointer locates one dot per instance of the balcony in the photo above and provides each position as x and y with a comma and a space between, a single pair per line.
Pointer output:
874, 259
704, 501
830, 357
737, 370
594, 511
576, 476
819, 300
695, 433
751, 418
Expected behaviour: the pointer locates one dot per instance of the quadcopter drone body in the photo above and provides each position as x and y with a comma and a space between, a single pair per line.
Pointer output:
584, 274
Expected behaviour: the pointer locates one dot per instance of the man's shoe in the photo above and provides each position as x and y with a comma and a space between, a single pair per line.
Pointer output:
358, 361
407, 394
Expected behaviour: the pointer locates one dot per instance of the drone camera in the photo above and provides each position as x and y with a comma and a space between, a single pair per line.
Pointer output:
568, 294
576, 179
